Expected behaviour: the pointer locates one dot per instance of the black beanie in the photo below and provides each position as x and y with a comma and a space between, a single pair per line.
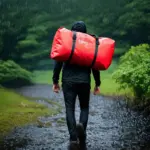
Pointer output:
79, 26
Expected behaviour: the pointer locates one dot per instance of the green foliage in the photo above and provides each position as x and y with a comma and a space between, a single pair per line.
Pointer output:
28, 27
24, 44
134, 71
37, 55
10, 71
134, 22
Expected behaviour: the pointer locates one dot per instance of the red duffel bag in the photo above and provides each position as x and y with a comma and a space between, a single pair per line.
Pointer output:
82, 49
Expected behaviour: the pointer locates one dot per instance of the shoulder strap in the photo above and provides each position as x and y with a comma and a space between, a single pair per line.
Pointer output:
96, 50
74, 37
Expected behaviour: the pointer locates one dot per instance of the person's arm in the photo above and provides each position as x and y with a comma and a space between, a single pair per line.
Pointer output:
56, 72
96, 74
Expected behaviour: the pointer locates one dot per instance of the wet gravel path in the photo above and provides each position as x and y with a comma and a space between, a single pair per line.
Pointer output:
111, 126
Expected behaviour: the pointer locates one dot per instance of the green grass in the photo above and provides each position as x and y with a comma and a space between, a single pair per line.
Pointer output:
108, 85
16, 110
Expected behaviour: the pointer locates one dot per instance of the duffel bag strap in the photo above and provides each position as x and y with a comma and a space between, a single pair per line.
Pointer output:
74, 37
96, 50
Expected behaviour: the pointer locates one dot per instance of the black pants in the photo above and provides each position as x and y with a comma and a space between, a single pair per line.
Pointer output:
71, 91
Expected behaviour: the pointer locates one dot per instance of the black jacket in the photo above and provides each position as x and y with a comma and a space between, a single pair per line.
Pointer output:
74, 73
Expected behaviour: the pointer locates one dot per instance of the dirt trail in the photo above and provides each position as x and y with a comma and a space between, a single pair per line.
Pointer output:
112, 126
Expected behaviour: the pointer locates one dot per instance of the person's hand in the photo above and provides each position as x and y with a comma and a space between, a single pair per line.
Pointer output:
56, 88
96, 90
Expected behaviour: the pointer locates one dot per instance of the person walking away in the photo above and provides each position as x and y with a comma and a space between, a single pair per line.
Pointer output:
76, 82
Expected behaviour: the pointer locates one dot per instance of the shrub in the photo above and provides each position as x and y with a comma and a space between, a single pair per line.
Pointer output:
134, 71
10, 71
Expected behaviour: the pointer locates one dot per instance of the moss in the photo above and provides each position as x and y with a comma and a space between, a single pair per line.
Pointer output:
17, 110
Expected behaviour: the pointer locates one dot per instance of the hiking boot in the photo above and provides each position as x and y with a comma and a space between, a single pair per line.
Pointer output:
81, 136
74, 145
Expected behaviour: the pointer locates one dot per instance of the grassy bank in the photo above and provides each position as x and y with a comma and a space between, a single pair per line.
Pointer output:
108, 86
17, 110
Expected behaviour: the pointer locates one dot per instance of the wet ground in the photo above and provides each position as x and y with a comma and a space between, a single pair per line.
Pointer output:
111, 126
